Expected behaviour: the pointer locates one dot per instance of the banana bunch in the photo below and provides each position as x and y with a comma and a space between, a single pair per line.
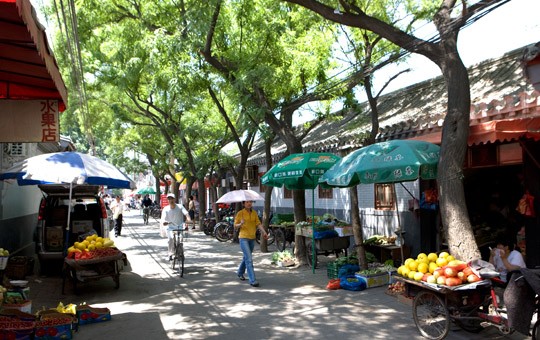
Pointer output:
67, 309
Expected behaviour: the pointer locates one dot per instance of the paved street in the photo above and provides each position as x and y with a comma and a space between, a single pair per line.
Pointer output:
209, 302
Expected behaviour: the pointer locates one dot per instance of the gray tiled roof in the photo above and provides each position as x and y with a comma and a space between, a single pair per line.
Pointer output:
420, 108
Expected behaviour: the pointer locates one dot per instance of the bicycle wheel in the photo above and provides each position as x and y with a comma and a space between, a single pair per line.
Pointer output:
431, 315
270, 239
279, 239
309, 255
208, 227
179, 256
220, 232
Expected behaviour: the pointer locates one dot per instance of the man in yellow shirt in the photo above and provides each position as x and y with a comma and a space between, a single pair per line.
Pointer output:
248, 221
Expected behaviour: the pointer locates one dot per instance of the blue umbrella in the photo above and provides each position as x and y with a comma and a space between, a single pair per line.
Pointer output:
69, 168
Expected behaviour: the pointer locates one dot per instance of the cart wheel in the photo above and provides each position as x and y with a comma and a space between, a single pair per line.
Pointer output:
279, 239
309, 255
431, 315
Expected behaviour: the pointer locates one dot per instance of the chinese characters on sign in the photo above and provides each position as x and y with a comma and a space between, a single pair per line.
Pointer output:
49, 121
27, 121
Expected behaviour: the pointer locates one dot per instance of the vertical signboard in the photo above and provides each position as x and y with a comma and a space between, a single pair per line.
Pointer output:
27, 121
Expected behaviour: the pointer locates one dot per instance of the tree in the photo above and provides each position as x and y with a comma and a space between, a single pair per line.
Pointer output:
443, 52
281, 66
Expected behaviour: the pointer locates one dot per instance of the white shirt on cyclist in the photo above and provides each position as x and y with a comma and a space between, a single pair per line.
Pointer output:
175, 216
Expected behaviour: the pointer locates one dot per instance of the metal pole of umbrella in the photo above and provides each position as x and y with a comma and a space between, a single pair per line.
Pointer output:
313, 256
66, 246
401, 232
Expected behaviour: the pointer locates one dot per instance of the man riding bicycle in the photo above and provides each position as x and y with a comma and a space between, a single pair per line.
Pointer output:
146, 203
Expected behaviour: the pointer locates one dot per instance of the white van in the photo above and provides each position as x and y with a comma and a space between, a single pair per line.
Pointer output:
88, 215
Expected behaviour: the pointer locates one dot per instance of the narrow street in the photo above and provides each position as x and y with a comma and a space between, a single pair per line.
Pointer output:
154, 302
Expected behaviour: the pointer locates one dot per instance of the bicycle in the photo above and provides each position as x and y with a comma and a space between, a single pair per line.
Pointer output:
209, 223
155, 212
146, 214
179, 236
272, 236
224, 230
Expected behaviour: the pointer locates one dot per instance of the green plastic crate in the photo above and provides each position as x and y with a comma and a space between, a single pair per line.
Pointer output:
332, 270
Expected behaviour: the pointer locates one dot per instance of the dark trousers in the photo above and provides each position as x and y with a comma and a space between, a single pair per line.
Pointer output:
118, 226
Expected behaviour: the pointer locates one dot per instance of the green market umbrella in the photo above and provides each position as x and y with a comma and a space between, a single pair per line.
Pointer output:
301, 171
385, 162
146, 190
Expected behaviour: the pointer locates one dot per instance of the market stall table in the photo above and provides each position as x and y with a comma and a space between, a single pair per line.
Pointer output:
85, 270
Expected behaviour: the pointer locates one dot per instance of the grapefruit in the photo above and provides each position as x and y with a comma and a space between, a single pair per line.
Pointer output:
423, 268
413, 265
432, 257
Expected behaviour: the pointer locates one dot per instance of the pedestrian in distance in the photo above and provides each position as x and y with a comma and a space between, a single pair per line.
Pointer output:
172, 214
191, 209
117, 208
248, 221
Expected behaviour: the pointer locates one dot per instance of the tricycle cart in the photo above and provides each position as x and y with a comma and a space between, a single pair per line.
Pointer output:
325, 246
283, 234
85, 270
434, 306
471, 306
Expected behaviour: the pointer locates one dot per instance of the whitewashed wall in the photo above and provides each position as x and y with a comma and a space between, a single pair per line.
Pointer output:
374, 222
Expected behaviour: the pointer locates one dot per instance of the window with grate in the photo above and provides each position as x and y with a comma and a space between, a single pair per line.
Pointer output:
326, 193
15, 149
384, 196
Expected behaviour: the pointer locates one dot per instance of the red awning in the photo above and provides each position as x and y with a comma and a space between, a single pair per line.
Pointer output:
27, 68
504, 130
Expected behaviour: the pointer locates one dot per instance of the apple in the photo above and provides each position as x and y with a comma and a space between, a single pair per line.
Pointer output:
431, 279
438, 272
462, 276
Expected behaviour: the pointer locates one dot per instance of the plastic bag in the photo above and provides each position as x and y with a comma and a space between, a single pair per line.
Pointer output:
483, 269
333, 284
352, 283
526, 205
348, 270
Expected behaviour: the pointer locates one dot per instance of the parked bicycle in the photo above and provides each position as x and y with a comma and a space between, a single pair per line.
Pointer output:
209, 223
155, 211
224, 230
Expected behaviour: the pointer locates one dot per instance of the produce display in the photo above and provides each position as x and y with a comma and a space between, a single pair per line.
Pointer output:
380, 240
441, 269
282, 256
396, 288
91, 247
4, 252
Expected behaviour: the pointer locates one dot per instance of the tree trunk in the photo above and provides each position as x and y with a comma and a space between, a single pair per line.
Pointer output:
202, 200
299, 198
357, 229
455, 217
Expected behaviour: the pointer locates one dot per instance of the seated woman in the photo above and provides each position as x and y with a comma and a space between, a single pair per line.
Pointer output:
506, 258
